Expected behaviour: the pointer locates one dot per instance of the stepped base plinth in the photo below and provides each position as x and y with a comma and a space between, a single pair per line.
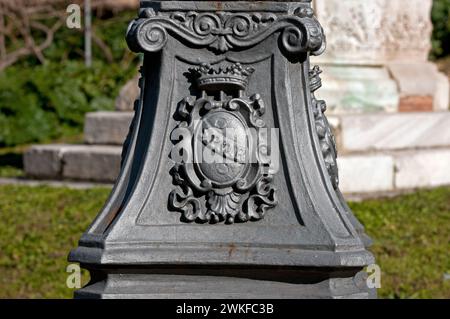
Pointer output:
210, 283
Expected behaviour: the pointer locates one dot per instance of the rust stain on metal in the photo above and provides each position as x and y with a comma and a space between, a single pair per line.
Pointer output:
219, 5
231, 250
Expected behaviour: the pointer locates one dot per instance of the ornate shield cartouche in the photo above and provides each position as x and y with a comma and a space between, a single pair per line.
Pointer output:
222, 168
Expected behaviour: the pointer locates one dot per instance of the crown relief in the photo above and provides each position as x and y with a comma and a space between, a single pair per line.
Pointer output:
231, 77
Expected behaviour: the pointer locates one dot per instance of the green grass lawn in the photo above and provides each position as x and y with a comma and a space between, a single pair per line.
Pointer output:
38, 227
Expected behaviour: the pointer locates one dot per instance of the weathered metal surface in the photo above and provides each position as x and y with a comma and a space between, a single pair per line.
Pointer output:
265, 206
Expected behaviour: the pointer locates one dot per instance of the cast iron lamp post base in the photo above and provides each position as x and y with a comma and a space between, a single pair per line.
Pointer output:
197, 213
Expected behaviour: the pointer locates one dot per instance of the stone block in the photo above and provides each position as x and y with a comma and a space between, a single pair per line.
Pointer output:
373, 32
414, 78
107, 127
415, 103
43, 161
92, 163
442, 95
348, 89
421, 80
363, 174
426, 168
127, 95
385, 132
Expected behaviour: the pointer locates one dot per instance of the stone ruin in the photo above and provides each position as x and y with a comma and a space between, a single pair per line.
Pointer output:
388, 105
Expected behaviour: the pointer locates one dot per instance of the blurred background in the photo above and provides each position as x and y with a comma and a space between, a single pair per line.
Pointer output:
67, 88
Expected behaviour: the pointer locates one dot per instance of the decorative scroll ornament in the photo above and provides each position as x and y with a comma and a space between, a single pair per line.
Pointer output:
223, 170
223, 31
326, 137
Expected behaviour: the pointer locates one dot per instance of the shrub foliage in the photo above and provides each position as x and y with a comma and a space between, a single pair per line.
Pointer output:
39, 101
441, 32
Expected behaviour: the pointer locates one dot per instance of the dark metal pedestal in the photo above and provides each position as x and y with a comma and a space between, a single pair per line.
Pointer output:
270, 223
